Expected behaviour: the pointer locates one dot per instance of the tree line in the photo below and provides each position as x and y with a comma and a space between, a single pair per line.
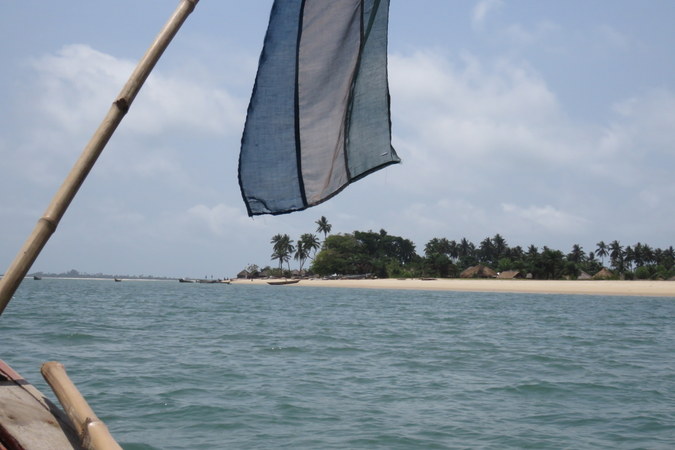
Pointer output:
387, 256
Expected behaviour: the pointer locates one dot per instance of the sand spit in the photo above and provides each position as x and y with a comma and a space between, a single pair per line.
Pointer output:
585, 287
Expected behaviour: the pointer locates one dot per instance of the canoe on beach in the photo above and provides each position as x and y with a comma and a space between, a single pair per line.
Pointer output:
282, 282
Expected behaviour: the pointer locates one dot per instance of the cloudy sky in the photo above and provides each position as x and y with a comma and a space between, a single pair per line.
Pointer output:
550, 123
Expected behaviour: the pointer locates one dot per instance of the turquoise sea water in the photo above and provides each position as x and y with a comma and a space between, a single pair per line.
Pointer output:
168, 365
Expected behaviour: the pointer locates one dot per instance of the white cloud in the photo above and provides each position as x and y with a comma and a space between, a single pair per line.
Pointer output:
639, 136
78, 84
487, 144
466, 125
482, 9
171, 103
219, 220
521, 36
489, 149
470, 90
551, 219
68, 93
608, 37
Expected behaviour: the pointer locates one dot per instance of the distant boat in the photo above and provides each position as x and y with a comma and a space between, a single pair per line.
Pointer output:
118, 279
281, 282
203, 281
37, 278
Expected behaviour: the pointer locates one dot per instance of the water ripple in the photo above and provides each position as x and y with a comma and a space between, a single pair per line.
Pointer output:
174, 366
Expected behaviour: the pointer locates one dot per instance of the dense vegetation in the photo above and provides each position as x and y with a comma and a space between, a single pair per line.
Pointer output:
383, 255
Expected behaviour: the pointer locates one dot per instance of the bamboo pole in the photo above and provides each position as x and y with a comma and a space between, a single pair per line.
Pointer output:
47, 224
92, 431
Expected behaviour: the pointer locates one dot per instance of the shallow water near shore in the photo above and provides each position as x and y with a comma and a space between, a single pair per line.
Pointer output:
168, 365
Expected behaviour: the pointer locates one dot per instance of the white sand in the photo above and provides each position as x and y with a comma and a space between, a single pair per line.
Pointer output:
587, 287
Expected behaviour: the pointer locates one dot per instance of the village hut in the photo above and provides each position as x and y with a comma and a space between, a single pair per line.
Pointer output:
584, 276
266, 273
479, 271
244, 274
603, 274
510, 275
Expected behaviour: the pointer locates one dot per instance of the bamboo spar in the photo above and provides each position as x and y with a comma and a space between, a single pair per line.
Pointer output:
91, 430
47, 224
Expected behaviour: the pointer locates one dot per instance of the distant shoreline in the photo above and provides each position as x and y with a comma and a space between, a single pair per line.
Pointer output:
47, 277
636, 288
633, 288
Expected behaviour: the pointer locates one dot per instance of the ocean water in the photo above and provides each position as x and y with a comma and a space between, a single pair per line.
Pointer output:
168, 365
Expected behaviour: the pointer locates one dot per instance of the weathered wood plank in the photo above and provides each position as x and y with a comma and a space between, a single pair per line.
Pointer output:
32, 420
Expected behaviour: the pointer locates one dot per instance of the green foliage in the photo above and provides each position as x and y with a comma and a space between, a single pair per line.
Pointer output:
361, 253
283, 249
438, 265
505, 264
323, 226
308, 244
339, 255
253, 271
383, 255
643, 273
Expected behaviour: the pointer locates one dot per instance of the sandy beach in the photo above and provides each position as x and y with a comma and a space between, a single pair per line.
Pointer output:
586, 287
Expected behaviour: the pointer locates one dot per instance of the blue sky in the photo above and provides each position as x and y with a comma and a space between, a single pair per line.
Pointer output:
551, 123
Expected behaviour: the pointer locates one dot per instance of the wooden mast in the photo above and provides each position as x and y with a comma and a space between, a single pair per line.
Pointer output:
47, 224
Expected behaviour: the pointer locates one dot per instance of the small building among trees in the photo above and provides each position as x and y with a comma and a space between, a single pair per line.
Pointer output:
603, 274
510, 275
479, 271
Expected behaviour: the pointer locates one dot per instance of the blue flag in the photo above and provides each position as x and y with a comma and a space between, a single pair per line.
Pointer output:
319, 114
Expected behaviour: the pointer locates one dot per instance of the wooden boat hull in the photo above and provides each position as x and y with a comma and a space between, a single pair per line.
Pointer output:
282, 282
28, 419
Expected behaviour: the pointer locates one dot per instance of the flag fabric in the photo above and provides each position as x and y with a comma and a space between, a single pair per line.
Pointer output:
319, 116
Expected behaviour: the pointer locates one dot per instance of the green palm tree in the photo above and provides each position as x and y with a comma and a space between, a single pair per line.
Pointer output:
453, 250
308, 244
616, 254
465, 248
516, 253
282, 249
487, 251
406, 250
601, 251
312, 243
648, 254
437, 246
577, 254
630, 256
301, 254
323, 226
500, 246
665, 257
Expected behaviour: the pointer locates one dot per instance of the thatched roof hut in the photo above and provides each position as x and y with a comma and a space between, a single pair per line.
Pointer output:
510, 274
603, 274
479, 271
584, 276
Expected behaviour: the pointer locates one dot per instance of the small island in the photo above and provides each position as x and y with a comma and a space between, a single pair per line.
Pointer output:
369, 254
